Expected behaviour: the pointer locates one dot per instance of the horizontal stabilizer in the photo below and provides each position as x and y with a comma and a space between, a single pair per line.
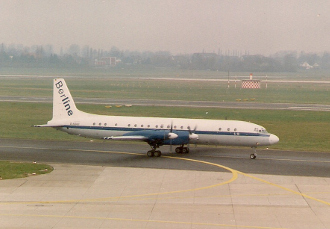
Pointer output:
46, 125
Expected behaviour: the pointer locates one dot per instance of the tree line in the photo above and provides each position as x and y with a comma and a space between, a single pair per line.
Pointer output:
87, 57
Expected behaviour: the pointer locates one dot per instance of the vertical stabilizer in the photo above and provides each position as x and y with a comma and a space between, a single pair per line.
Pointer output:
63, 104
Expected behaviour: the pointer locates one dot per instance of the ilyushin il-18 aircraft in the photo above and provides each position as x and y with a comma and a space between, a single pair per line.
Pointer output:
152, 130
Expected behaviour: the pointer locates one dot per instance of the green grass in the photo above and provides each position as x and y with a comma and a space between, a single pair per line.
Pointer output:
117, 88
297, 130
11, 170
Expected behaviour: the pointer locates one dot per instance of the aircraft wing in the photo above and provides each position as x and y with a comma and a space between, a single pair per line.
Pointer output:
128, 138
163, 137
145, 135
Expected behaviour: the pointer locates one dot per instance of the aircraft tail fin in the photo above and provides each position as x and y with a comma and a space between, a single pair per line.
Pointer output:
64, 106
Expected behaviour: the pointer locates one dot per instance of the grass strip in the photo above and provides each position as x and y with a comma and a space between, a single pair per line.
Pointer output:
12, 170
187, 90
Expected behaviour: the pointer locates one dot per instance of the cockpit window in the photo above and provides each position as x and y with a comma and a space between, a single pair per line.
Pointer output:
264, 131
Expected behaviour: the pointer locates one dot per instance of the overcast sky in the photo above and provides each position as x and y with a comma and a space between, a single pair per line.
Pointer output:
178, 26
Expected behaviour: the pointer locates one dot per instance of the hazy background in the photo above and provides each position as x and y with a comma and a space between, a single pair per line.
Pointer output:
179, 26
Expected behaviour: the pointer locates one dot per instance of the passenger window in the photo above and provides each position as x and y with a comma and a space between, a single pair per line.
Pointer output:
228, 129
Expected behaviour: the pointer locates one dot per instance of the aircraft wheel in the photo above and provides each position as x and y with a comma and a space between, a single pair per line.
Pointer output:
157, 153
178, 150
150, 153
253, 156
185, 150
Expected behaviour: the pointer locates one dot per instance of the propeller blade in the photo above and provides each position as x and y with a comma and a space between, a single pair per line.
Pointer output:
171, 135
190, 131
192, 134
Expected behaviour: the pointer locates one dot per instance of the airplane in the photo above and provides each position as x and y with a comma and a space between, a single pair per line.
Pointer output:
152, 130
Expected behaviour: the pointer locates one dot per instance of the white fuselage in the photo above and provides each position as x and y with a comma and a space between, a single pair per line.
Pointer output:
155, 131
214, 132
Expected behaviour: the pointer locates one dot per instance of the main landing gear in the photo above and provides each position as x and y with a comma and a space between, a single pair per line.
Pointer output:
157, 153
181, 149
154, 152
254, 155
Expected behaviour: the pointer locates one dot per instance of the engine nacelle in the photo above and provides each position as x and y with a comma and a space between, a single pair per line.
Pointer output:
193, 136
172, 135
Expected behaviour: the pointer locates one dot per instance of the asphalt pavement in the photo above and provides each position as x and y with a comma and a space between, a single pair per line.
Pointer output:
123, 154
115, 185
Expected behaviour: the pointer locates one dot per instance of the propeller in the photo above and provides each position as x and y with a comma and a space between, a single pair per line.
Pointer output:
192, 135
171, 136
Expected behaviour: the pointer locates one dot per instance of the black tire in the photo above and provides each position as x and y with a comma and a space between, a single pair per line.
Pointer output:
150, 153
157, 153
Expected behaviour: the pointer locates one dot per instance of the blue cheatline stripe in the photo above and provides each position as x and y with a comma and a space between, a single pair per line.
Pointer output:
130, 129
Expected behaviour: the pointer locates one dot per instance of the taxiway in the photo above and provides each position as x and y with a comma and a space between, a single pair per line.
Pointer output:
115, 185
123, 154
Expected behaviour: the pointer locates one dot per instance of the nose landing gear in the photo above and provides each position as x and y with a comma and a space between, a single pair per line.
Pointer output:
253, 155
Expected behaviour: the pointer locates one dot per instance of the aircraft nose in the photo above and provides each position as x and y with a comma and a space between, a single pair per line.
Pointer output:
273, 139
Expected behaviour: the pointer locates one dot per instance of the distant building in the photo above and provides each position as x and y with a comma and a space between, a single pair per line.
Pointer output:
105, 62
204, 55
306, 65
316, 65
